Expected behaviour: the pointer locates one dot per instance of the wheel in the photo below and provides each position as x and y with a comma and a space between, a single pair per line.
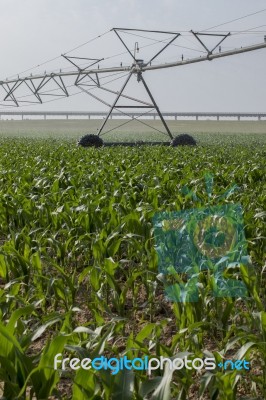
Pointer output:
90, 140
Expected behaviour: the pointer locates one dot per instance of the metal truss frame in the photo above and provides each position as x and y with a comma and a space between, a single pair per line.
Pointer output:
87, 77
175, 34
137, 69
197, 34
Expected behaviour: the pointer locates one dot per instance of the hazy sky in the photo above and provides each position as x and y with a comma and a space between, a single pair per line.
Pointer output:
34, 31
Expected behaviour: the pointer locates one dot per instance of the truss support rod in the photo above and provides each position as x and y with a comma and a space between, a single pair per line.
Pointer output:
115, 92
155, 106
168, 44
135, 107
115, 102
12, 90
10, 94
83, 58
228, 34
125, 96
78, 80
121, 112
208, 34
124, 45
201, 42
143, 30
34, 91
95, 97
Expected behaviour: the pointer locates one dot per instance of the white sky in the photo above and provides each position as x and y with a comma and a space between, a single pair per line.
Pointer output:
33, 31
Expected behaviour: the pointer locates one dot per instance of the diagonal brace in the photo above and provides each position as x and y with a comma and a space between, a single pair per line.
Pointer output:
115, 102
155, 106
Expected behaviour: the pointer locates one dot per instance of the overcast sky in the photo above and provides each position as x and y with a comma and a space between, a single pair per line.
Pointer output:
34, 31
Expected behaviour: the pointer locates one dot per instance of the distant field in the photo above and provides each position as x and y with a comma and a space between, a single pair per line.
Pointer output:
204, 131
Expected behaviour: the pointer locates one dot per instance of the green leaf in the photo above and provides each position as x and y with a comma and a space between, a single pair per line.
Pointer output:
18, 314
149, 386
145, 332
43, 328
243, 350
163, 391
124, 385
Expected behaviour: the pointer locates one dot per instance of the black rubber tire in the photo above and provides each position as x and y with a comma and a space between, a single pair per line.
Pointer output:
183, 140
90, 140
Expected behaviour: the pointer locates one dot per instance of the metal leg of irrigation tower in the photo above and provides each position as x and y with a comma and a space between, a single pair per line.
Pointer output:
155, 105
140, 78
114, 103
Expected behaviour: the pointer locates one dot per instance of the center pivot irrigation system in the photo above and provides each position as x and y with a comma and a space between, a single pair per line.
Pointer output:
89, 77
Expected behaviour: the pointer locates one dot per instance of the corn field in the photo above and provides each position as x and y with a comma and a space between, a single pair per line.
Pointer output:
79, 271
